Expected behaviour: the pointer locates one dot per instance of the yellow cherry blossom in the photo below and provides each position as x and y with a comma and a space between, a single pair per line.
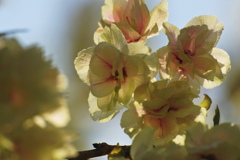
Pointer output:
190, 54
133, 18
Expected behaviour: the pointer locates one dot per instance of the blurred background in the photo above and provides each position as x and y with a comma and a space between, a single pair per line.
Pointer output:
63, 28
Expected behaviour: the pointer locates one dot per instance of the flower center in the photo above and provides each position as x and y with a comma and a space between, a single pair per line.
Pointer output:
120, 75
189, 53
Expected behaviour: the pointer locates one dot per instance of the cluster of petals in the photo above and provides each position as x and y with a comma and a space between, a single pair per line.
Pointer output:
113, 73
113, 69
220, 142
166, 107
133, 18
191, 54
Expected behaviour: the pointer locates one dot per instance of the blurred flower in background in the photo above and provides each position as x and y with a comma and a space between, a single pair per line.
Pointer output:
32, 107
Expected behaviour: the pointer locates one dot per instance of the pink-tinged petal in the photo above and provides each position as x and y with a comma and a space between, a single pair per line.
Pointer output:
107, 11
140, 16
82, 62
102, 61
187, 39
119, 7
158, 15
211, 37
127, 10
101, 87
172, 33
166, 128
130, 34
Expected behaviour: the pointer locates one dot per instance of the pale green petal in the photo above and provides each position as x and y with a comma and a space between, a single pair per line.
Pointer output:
182, 108
82, 62
131, 65
142, 75
126, 91
101, 87
141, 145
105, 54
164, 93
205, 67
209, 20
143, 92
98, 115
155, 104
194, 135
131, 121
224, 132
205, 42
107, 11
107, 103
161, 84
221, 69
153, 64
112, 35
159, 15
209, 84
172, 33
136, 48
223, 59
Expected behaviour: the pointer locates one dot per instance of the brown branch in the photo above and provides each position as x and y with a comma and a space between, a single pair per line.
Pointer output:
101, 149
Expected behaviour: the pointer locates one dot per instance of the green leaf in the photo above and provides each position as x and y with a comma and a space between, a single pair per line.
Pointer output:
216, 118
206, 102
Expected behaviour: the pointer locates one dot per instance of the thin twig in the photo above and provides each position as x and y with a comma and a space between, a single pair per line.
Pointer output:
101, 149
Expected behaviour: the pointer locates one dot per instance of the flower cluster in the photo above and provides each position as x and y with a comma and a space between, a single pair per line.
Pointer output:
201, 142
122, 72
32, 108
